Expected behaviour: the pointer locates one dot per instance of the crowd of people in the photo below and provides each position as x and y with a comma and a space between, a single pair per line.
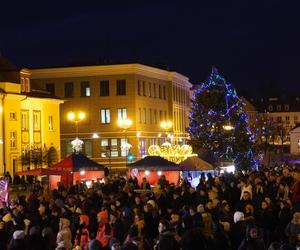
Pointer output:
256, 210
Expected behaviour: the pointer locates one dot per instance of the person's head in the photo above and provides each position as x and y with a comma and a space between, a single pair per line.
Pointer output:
200, 208
286, 172
163, 225
246, 196
102, 216
63, 223
243, 183
2, 225
253, 232
238, 216
144, 179
84, 220
249, 209
264, 205
113, 216
192, 210
210, 204
137, 200
296, 218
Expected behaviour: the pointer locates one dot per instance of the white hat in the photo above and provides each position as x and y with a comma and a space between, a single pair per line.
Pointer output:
18, 235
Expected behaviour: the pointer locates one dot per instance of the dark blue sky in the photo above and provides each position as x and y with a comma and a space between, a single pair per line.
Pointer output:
255, 44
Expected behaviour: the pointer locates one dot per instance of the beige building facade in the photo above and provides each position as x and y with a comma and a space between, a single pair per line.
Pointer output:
107, 94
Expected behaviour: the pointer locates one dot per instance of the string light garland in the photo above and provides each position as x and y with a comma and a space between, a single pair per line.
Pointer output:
218, 122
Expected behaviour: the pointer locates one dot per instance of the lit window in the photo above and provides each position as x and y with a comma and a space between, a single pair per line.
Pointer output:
12, 116
105, 116
278, 107
270, 108
104, 142
13, 139
85, 89
24, 120
36, 120
50, 122
122, 113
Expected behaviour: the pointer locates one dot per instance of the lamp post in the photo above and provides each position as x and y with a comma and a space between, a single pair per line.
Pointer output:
76, 118
125, 124
166, 125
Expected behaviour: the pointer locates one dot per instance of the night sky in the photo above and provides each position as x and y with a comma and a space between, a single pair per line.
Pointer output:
255, 44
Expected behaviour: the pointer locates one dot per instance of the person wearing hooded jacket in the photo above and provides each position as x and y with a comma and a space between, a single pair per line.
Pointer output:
82, 234
105, 231
64, 236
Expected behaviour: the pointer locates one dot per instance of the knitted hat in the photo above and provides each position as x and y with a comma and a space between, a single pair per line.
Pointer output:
18, 235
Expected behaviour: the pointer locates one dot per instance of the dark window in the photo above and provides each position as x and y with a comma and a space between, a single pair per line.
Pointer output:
50, 87
121, 87
104, 88
85, 89
164, 92
144, 88
159, 91
139, 87
69, 89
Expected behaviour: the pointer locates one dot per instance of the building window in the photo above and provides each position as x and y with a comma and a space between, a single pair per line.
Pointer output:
154, 90
278, 107
287, 118
50, 122
105, 116
114, 147
122, 113
154, 116
13, 139
286, 107
270, 107
140, 115
159, 91
279, 119
142, 146
150, 89
50, 87
124, 151
104, 88
164, 92
36, 120
150, 115
121, 87
88, 148
144, 88
69, 89
12, 116
145, 115
24, 120
295, 118
139, 87
160, 115
85, 89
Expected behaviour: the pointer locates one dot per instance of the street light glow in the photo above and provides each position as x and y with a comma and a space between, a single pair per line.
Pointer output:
124, 123
71, 116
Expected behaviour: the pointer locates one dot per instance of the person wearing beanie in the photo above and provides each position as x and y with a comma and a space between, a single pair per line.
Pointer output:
35, 239
105, 231
82, 233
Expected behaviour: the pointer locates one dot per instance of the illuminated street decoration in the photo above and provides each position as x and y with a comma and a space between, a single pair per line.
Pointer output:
172, 152
77, 145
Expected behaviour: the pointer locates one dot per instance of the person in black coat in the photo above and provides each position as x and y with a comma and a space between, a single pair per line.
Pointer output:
252, 241
166, 237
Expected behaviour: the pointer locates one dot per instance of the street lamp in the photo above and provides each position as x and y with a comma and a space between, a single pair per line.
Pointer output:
76, 118
228, 127
125, 124
166, 125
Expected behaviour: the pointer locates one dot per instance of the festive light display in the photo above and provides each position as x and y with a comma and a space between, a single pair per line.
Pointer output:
171, 152
218, 122
77, 145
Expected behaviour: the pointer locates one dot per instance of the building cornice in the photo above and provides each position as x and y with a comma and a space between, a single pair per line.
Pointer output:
99, 70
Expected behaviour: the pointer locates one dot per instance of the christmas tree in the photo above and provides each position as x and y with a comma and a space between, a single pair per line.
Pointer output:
218, 122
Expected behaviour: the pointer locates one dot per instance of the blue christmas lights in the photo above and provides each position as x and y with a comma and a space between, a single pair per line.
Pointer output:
206, 121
